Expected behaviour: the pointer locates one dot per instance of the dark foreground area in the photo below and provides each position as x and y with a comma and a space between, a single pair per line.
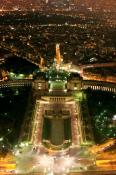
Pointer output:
13, 103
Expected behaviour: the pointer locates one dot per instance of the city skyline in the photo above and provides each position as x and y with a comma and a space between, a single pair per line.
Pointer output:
58, 87
25, 4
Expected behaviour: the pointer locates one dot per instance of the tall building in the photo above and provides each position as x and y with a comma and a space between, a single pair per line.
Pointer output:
47, 1
58, 56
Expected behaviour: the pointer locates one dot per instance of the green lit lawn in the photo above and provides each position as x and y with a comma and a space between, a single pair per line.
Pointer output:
46, 129
67, 129
46, 132
57, 85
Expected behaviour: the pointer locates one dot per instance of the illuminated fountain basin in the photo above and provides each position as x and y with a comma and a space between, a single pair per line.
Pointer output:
40, 159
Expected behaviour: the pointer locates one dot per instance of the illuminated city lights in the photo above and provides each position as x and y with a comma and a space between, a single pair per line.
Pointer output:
57, 87
114, 117
54, 162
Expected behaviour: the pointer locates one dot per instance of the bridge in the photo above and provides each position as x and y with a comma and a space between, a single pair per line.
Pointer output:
95, 65
14, 53
108, 64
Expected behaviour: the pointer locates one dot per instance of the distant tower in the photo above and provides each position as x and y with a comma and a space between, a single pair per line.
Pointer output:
58, 56
41, 64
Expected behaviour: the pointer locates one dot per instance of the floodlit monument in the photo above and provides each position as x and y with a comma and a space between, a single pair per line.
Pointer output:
59, 135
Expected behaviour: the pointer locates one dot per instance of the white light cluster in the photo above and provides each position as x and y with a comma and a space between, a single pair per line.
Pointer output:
114, 117
37, 159
49, 164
